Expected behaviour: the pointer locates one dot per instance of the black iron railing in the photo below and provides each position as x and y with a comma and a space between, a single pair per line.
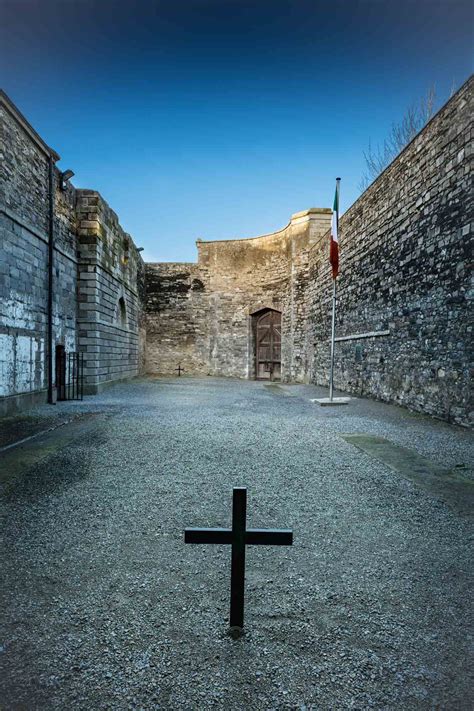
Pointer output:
70, 375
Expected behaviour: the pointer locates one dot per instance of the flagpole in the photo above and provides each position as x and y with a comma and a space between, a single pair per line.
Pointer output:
333, 320
333, 335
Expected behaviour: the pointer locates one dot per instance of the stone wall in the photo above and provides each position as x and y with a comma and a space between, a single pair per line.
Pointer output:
91, 273
405, 247
177, 318
24, 236
244, 276
109, 316
403, 329
200, 315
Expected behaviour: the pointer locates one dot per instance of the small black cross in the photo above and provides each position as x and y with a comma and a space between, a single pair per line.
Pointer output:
238, 536
180, 370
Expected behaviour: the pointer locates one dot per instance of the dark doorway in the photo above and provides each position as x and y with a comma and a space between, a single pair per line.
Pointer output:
268, 345
61, 372
69, 374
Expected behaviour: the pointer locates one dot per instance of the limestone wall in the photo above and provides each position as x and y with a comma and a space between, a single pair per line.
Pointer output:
404, 274
110, 306
24, 225
95, 265
201, 314
404, 294
177, 318
243, 276
403, 327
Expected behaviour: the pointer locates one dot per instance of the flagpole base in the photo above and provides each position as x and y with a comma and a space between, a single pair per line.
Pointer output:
328, 402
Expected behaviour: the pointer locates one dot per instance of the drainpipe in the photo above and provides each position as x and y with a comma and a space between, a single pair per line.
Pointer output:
51, 393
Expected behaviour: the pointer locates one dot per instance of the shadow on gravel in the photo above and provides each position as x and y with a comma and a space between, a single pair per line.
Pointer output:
46, 465
19, 427
44, 480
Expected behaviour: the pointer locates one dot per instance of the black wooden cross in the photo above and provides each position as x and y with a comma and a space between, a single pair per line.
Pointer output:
238, 536
180, 370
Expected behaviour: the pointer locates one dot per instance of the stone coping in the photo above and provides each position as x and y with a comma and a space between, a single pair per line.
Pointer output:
26, 126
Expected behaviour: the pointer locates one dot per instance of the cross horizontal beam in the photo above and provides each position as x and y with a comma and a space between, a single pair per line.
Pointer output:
252, 537
207, 535
275, 537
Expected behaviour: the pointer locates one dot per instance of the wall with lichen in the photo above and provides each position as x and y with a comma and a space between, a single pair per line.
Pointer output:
176, 318
404, 291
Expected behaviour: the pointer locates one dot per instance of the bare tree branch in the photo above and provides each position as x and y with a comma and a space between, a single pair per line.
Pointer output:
400, 135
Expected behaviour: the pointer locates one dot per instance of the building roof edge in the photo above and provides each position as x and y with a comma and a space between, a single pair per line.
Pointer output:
26, 125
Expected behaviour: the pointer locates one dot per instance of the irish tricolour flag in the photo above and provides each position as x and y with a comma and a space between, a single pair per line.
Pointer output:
334, 246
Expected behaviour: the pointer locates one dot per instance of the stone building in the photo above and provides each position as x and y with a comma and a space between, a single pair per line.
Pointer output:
72, 281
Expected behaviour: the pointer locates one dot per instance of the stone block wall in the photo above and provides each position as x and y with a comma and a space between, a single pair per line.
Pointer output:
95, 266
244, 276
24, 237
177, 318
405, 247
201, 314
404, 291
110, 302
24, 174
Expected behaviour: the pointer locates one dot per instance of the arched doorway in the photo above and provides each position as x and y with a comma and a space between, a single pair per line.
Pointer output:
268, 345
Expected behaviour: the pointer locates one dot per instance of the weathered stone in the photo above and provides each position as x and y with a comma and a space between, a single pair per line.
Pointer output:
200, 315
403, 288
403, 292
82, 272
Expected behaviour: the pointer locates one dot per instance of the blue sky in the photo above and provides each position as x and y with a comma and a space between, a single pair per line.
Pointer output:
221, 118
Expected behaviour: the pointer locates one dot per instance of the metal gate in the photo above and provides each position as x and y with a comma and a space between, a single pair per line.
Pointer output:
69, 374
268, 346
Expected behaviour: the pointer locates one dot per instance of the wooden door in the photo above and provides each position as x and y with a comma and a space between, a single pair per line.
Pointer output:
268, 346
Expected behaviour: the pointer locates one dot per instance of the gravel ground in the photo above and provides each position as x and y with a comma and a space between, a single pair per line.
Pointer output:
104, 607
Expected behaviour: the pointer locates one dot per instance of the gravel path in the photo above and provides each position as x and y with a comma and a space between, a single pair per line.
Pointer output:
104, 607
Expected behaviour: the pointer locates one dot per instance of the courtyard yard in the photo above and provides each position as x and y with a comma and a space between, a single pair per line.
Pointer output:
104, 607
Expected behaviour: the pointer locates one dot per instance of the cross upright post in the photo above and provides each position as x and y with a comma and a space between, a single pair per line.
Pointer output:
238, 536
237, 575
